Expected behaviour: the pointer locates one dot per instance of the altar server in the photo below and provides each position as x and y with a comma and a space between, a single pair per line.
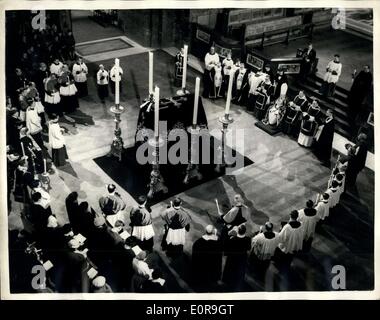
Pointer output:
113, 78
323, 207
333, 192
57, 142
228, 69
102, 78
264, 245
291, 235
80, 72
309, 218
56, 67
331, 77
211, 60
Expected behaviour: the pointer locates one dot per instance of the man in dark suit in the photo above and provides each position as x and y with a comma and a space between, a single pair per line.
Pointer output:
309, 55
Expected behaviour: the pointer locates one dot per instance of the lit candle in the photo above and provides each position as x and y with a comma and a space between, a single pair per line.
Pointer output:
184, 67
196, 99
156, 110
23, 150
117, 82
44, 165
229, 94
150, 72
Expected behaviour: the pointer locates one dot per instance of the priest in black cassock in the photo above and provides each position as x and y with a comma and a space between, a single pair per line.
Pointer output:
207, 259
360, 89
324, 139
236, 251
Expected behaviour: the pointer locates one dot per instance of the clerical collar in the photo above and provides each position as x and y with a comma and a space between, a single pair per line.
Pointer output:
177, 208
241, 236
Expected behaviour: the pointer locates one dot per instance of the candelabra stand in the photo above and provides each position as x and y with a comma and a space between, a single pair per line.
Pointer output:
157, 183
117, 145
225, 121
192, 170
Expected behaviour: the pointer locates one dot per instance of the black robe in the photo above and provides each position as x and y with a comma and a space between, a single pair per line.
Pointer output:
307, 62
359, 90
72, 209
206, 261
234, 271
323, 145
240, 96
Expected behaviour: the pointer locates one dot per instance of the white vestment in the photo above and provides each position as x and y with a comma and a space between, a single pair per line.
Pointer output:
333, 67
82, 69
291, 239
56, 138
308, 223
263, 247
211, 60
323, 209
228, 66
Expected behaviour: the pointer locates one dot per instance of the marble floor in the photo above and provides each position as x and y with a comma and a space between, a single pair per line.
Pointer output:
283, 176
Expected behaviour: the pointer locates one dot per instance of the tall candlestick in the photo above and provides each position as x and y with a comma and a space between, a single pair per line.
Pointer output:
117, 82
196, 99
150, 72
23, 150
229, 94
156, 110
184, 67
44, 165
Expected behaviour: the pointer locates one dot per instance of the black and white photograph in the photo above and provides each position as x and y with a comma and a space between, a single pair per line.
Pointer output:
205, 150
